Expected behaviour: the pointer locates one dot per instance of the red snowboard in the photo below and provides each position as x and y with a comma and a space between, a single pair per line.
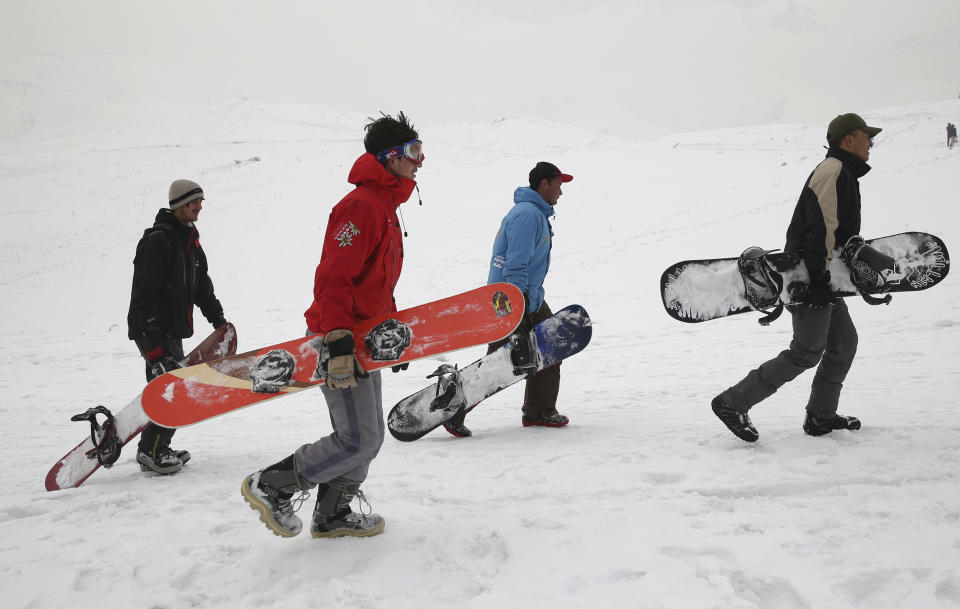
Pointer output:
75, 467
190, 395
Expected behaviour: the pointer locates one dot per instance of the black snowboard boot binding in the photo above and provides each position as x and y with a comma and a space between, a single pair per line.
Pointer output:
271, 492
523, 353
736, 421
815, 425
332, 516
106, 440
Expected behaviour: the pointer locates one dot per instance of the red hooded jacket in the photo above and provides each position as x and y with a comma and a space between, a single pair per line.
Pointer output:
362, 250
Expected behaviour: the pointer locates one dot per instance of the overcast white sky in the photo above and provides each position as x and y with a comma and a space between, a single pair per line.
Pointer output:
642, 66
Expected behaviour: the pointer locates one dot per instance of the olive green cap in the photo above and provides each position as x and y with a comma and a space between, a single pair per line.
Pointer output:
845, 124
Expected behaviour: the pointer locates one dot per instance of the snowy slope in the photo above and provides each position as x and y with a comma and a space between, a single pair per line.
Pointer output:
645, 500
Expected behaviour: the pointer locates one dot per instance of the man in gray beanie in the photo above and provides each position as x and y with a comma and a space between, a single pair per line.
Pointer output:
169, 278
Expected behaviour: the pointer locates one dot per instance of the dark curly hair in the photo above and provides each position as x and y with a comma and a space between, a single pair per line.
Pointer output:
387, 132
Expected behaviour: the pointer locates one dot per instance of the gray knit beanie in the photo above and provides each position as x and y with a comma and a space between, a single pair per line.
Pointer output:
183, 192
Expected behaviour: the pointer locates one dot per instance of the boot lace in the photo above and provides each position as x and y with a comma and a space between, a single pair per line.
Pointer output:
361, 500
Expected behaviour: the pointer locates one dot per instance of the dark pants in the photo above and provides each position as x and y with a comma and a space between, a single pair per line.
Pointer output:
824, 336
154, 437
542, 388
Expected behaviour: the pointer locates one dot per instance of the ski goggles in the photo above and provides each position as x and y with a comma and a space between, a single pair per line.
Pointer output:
413, 150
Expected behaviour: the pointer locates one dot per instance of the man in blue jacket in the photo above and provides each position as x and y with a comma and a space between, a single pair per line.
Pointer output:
521, 256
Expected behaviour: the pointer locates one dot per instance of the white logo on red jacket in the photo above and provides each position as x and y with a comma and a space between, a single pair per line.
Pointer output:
345, 233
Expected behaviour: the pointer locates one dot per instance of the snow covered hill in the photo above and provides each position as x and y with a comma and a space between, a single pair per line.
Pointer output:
645, 500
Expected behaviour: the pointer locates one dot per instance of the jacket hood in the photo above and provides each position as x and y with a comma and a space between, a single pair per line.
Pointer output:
525, 194
854, 164
367, 171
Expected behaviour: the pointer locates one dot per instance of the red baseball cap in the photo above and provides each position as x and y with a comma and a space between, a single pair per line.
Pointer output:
546, 171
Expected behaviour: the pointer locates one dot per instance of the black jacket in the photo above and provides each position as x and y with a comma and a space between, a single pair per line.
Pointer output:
169, 278
828, 211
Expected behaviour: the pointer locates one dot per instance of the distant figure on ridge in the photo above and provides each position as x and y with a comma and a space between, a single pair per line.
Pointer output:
951, 135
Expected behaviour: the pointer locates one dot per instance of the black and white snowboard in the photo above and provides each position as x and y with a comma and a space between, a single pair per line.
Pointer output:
558, 337
700, 290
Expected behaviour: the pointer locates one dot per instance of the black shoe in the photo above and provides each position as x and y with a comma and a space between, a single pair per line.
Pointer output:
271, 492
457, 429
164, 461
815, 425
332, 516
736, 421
551, 420
183, 455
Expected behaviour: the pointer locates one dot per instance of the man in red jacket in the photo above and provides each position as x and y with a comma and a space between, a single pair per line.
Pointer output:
358, 271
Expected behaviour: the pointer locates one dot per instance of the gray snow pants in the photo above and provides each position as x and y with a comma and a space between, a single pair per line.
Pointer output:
826, 336
358, 429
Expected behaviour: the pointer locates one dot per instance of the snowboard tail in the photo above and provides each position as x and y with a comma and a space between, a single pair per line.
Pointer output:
190, 395
80, 463
700, 290
562, 335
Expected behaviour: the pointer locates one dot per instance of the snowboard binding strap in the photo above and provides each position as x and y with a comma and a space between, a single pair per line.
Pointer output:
864, 278
762, 285
106, 441
450, 397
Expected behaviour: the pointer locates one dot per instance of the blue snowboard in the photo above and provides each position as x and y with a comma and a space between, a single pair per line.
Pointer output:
564, 334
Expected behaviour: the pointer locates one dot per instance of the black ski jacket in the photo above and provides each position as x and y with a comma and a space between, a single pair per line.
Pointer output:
828, 211
169, 278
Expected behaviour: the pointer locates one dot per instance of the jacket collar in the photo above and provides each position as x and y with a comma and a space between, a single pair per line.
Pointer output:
854, 164
166, 218
525, 194
368, 171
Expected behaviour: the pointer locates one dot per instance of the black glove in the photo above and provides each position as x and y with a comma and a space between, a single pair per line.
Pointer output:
164, 365
819, 294
400, 367
526, 322
218, 322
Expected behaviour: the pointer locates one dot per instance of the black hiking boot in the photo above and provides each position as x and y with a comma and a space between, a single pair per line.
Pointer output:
161, 461
183, 455
332, 516
271, 492
551, 420
736, 421
819, 425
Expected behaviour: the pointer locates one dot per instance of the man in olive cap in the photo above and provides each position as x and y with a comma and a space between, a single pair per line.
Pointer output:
826, 217
169, 278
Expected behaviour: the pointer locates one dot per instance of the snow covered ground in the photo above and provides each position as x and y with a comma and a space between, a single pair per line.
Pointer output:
645, 500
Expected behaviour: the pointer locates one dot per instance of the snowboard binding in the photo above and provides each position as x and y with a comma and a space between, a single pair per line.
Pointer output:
761, 284
857, 254
106, 440
523, 353
450, 396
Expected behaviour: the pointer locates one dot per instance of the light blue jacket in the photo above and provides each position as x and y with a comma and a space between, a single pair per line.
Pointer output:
521, 250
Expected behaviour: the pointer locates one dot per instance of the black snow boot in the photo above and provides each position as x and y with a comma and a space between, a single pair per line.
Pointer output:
819, 425
332, 516
271, 492
161, 461
736, 421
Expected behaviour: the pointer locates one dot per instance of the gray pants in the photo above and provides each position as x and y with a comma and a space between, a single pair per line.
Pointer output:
358, 429
826, 336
